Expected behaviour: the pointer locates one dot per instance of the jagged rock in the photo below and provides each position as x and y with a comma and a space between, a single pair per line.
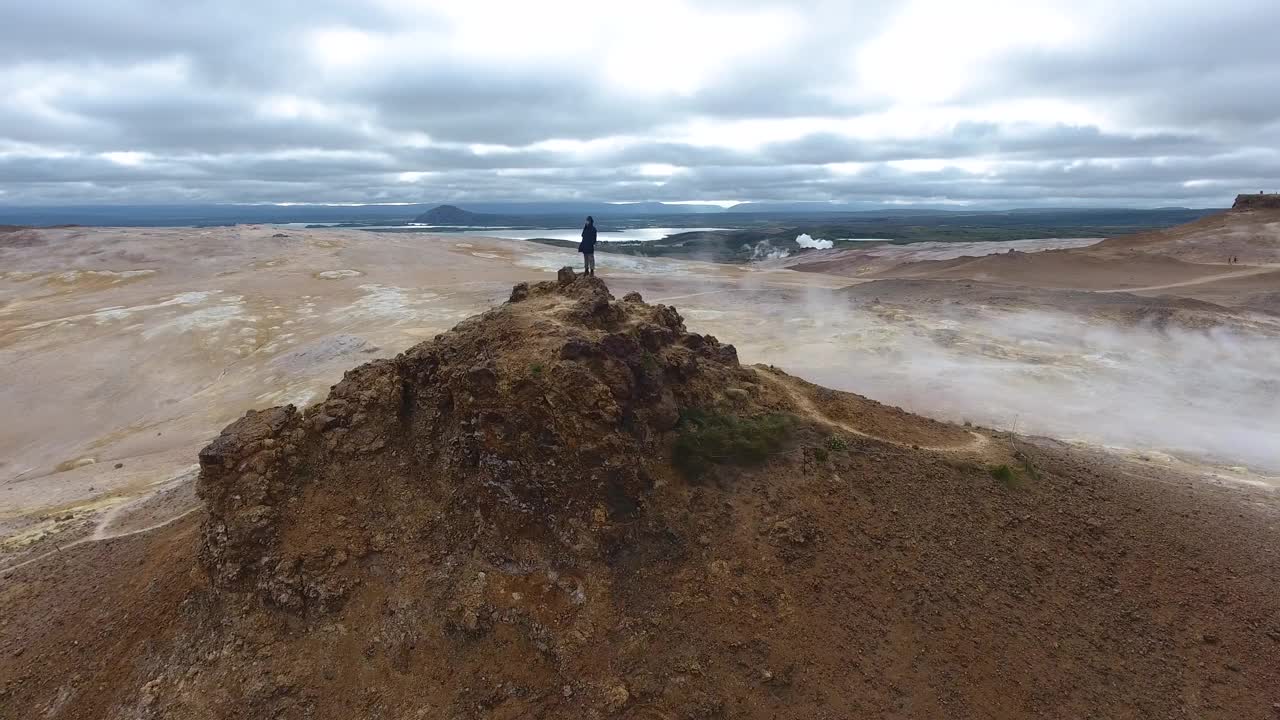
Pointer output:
577, 349
457, 438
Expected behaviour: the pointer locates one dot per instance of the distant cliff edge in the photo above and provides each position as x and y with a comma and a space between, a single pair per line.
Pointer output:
1258, 201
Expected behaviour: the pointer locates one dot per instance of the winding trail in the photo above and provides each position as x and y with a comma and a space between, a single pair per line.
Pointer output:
802, 400
1197, 281
98, 535
102, 528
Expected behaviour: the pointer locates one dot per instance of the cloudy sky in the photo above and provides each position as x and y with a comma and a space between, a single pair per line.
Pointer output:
980, 103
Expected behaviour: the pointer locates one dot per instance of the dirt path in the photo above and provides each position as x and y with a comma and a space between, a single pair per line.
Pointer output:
1197, 281
99, 534
978, 442
102, 529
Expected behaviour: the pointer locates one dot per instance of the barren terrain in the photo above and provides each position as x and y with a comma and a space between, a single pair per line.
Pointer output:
1135, 551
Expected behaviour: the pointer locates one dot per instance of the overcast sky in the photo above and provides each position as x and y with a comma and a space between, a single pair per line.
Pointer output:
985, 103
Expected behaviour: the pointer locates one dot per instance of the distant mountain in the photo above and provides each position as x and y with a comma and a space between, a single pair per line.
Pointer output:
448, 215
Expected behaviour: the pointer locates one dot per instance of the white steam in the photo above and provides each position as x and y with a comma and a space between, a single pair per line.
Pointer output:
763, 250
1212, 393
805, 241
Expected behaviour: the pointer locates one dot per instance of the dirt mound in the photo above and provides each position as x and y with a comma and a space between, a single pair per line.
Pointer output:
1249, 233
573, 507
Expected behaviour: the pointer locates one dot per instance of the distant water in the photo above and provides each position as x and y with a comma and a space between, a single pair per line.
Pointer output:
605, 235
933, 250
403, 226
632, 235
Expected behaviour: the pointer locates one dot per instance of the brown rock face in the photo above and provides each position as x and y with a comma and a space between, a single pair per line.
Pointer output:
514, 437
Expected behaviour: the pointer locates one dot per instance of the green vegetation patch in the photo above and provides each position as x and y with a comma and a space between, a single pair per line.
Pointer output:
707, 438
1013, 476
1005, 475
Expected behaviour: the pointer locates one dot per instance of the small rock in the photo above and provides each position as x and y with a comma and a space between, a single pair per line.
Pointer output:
737, 394
119, 465
616, 697
566, 275
1209, 639
568, 691
149, 693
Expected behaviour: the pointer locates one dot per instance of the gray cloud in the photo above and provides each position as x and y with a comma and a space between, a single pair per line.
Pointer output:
142, 101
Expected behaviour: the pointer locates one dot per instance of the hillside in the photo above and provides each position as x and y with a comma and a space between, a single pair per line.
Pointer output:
1249, 232
1228, 258
572, 506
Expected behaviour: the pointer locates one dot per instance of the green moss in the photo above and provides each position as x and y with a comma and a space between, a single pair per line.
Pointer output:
835, 443
705, 439
1004, 475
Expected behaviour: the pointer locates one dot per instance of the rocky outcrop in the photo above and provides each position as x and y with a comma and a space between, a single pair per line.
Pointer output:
536, 423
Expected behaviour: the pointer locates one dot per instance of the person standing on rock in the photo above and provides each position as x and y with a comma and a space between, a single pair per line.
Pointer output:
588, 245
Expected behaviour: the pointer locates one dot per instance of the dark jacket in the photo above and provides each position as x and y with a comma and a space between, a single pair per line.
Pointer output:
588, 244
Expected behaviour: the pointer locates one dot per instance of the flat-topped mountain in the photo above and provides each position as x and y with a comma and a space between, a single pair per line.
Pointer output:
448, 215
